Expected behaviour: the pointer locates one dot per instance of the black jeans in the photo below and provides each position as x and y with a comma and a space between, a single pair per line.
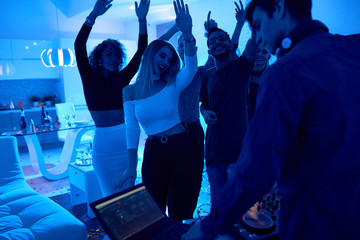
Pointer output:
171, 174
196, 134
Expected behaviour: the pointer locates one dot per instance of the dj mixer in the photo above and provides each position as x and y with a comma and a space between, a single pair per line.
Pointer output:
261, 220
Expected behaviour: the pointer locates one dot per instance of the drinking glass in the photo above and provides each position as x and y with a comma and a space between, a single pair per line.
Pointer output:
83, 157
73, 119
67, 119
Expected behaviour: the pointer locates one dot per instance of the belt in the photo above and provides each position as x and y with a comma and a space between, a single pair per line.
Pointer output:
191, 124
165, 139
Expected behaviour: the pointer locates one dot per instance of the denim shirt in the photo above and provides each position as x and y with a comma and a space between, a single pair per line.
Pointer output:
305, 135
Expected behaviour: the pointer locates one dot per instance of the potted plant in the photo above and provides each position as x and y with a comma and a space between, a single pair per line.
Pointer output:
48, 100
35, 100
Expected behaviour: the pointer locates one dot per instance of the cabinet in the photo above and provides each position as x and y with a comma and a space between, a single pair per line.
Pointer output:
84, 186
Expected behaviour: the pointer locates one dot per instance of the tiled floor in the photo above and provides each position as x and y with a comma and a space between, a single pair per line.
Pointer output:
53, 188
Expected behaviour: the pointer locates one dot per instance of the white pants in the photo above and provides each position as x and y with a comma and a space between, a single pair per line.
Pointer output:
110, 157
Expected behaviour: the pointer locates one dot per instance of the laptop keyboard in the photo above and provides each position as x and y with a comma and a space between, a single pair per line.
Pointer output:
172, 232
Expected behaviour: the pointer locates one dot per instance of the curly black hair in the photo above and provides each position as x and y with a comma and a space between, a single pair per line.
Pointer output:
95, 56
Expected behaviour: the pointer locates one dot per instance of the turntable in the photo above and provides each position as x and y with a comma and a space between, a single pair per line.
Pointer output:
261, 220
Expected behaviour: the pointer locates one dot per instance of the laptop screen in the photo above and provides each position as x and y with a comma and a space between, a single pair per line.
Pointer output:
128, 213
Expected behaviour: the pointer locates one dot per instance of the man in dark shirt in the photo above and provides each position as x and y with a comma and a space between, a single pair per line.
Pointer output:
305, 132
223, 96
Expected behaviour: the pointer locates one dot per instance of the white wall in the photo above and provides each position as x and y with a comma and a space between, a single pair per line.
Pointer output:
40, 20
341, 17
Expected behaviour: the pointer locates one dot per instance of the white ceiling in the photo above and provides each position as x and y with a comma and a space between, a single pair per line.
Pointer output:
119, 9
40, 19
73, 7
20, 18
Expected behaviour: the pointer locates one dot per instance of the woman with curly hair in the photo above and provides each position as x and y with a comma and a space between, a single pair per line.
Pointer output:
104, 76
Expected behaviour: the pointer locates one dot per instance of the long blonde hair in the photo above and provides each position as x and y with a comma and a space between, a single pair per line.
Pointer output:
144, 80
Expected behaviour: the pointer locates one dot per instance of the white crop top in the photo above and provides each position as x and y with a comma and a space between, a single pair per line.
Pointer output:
158, 112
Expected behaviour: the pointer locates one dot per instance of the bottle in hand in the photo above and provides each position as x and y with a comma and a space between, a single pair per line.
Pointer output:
22, 120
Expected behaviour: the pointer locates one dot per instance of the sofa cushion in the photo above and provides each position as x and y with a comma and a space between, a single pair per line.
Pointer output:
4, 211
18, 234
10, 222
25, 214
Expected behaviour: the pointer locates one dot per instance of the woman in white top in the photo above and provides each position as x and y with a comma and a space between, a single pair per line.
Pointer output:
168, 169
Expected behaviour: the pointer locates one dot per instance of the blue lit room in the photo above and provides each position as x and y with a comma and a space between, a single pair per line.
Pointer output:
48, 125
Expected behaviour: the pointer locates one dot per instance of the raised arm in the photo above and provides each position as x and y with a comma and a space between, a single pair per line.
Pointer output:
240, 20
209, 23
101, 7
131, 69
141, 12
184, 24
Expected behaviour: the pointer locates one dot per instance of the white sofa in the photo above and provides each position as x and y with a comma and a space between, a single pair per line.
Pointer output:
24, 213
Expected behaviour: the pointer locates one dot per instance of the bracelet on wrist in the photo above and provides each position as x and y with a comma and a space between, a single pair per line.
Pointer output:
89, 22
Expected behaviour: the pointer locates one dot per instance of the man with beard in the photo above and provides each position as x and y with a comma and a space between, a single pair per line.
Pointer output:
223, 96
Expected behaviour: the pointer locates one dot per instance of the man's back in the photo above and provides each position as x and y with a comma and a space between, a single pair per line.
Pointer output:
305, 131
315, 91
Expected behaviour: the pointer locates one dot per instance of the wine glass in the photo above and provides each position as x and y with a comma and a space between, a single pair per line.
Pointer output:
67, 118
73, 119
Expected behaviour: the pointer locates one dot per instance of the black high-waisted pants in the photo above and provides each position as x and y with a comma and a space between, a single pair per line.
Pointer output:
171, 173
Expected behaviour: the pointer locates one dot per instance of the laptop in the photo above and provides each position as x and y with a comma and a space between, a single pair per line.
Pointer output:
134, 214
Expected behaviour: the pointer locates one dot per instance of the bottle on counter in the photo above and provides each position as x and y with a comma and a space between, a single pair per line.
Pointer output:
42, 118
48, 121
22, 120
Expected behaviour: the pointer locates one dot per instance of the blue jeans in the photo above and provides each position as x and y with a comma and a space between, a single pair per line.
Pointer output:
218, 176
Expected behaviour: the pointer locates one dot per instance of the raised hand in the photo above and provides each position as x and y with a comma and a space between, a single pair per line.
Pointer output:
101, 6
183, 18
240, 12
142, 9
210, 23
